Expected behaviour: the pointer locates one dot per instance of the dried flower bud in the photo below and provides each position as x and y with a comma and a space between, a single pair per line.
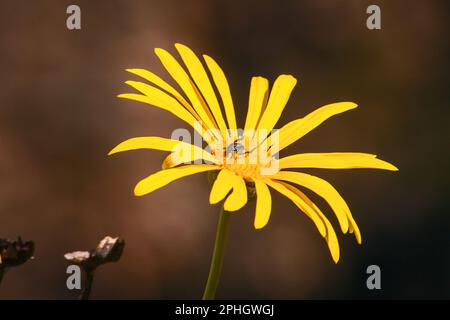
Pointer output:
108, 250
78, 257
15, 253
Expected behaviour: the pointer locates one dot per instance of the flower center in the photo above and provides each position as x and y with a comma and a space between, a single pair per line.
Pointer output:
244, 159
241, 161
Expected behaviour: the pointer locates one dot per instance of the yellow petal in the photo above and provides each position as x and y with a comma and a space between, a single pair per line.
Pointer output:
156, 143
323, 189
259, 89
201, 79
182, 152
186, 84
187, 154
281, 188
164, 102
279, 96
153, 78
156, 97
224, 90
353, 227
263, 204
335, 160
296, 129
238, 198
221, 187
164, 177
331, 238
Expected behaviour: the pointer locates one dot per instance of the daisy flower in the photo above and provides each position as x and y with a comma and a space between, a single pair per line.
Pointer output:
245, 160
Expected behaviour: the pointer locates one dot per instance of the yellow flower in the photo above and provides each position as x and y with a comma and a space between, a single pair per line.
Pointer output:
237, 153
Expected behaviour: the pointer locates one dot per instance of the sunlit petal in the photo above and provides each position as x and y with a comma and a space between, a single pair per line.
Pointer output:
263, 204
296, 129
335, 160
164, 177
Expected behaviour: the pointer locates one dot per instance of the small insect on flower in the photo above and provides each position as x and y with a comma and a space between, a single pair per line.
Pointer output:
247, 155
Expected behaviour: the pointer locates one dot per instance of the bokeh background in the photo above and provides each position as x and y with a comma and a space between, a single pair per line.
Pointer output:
59, 116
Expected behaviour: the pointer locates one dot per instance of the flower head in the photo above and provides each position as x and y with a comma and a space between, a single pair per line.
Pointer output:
247, 155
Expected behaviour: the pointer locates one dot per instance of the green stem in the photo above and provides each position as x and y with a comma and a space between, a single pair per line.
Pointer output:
218, 256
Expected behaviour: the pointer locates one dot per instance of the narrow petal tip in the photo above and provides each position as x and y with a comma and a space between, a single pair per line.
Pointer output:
230, 207
344, 229
180, 46
206, 57
351, 104
212, 199
335, 254
116, 149
394, 168
139, 190
167, 163
159, 51
389, 166
131, 70
289, 77
259, 226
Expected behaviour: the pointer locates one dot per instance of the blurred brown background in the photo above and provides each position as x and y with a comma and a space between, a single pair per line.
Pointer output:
59, 117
